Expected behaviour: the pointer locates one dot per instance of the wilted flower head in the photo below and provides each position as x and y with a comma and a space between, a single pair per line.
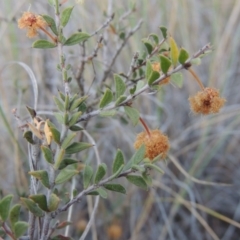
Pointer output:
155, 144
114, 231
207, 101
32, 22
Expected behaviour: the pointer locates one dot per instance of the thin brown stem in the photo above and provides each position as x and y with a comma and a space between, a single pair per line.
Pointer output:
145, 126
196, 78
8, 231
49, 34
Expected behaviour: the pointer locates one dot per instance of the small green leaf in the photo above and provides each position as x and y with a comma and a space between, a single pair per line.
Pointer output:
140, 85
154, 37
174, 53
14, 214
47, 153
59, 158
67, 161
41, 175
115, 187
118, 161
120, 86
106, 99
87, 176
66, 142
55, 135
59, 117
133, 114
41, 200
148, 46
102, 192
65, 16
177, 78
138, 181
75, 103
94, 193
109, 113
74, 118
32, 207
51, 23
29, 136
196, 61
59, 103
61, 95
66, 102
164, 32
149, 70
76, 38
165, 64
117, 173
138, 168
154, 76
77, 147
101, 171
65, 175
183, 56
120, 100
132, 90
5, 207
75, 128
136, 158
43, 44
153, 166
82, 107
53, 202
147, 178
20, 228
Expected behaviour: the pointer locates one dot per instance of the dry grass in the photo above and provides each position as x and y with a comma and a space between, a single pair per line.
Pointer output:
206, 147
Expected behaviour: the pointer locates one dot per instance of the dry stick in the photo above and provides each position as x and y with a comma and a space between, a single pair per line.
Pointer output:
119, 49
146, 87
84, 60
52, 172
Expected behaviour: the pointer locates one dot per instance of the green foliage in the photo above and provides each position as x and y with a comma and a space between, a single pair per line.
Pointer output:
14, 214
43, 44
41, 200
101, 171
47, 153
76, 38
41, 175
77, 147
32, 207
87, 176
133, 114
65, 16
118, 161
5, 206
138, 181
177, 78
65, 175
119, 85
106, 99
51, 23
20, 228
115, 187
165, 64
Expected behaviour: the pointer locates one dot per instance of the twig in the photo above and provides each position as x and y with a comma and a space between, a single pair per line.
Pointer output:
85, 59
51, 231
105, 24
119, 49
146, 87
8, 231
86, 191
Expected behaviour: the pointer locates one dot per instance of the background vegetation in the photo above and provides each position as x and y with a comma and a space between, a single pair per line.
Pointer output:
206, 147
